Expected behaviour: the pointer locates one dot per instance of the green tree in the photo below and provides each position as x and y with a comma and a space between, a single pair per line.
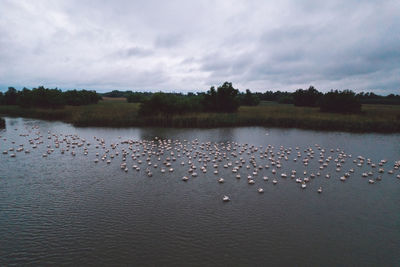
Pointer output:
248, 99
10, 97
224, 99
308, 98
340, 101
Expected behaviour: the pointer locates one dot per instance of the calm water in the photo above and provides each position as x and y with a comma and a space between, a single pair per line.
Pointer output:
64, 209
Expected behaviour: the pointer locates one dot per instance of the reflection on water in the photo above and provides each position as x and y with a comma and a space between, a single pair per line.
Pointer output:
64, 209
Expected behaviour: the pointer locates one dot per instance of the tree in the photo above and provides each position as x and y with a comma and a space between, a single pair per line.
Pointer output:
224, 99
169, 104
248, 99
10, 97
340, 101
308, 98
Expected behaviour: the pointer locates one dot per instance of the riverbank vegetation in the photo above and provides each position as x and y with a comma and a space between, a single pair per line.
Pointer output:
48, 98
372, 118
224, 106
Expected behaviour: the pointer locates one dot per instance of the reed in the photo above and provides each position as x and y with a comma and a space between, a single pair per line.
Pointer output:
373, 118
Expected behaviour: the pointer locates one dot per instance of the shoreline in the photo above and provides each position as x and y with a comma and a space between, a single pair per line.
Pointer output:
373, 119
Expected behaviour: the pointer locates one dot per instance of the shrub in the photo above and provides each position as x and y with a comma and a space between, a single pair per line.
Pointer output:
340, 102
248, 99
307, 98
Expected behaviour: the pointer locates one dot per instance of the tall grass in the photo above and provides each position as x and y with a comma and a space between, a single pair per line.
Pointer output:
373, 118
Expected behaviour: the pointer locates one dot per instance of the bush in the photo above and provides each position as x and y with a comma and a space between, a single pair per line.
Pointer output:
137, 97
340, 102
287, 99
168, 104
248, 99
306, 98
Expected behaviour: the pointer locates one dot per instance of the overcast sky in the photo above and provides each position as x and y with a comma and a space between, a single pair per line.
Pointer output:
191, 45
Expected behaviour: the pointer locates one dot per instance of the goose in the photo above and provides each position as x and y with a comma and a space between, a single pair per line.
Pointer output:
185, 178
303, 185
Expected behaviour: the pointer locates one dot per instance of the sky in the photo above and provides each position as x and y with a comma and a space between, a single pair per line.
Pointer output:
188, 46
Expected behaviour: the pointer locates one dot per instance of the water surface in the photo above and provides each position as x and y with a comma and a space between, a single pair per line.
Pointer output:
65, 209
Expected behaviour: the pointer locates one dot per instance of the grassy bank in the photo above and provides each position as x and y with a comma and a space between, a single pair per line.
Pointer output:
118, 113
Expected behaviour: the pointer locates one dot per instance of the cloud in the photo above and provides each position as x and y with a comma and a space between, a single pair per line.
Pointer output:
189, 46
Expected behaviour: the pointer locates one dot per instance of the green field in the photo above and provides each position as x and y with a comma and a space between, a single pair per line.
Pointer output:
119, 113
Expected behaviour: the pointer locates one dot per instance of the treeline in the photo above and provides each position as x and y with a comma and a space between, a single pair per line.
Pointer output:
47, 98
227, 99
334, 101
223, 99
371, 98
245, 99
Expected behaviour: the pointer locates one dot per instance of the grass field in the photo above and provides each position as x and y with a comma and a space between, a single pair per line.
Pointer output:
119, 113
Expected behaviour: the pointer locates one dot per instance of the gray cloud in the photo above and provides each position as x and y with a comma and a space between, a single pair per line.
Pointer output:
186, 46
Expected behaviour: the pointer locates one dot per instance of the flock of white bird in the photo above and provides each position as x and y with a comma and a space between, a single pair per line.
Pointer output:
241, 160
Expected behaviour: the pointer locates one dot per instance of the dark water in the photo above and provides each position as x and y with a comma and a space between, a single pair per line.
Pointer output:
68, 210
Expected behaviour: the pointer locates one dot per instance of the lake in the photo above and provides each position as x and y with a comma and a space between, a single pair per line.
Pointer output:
64, 209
